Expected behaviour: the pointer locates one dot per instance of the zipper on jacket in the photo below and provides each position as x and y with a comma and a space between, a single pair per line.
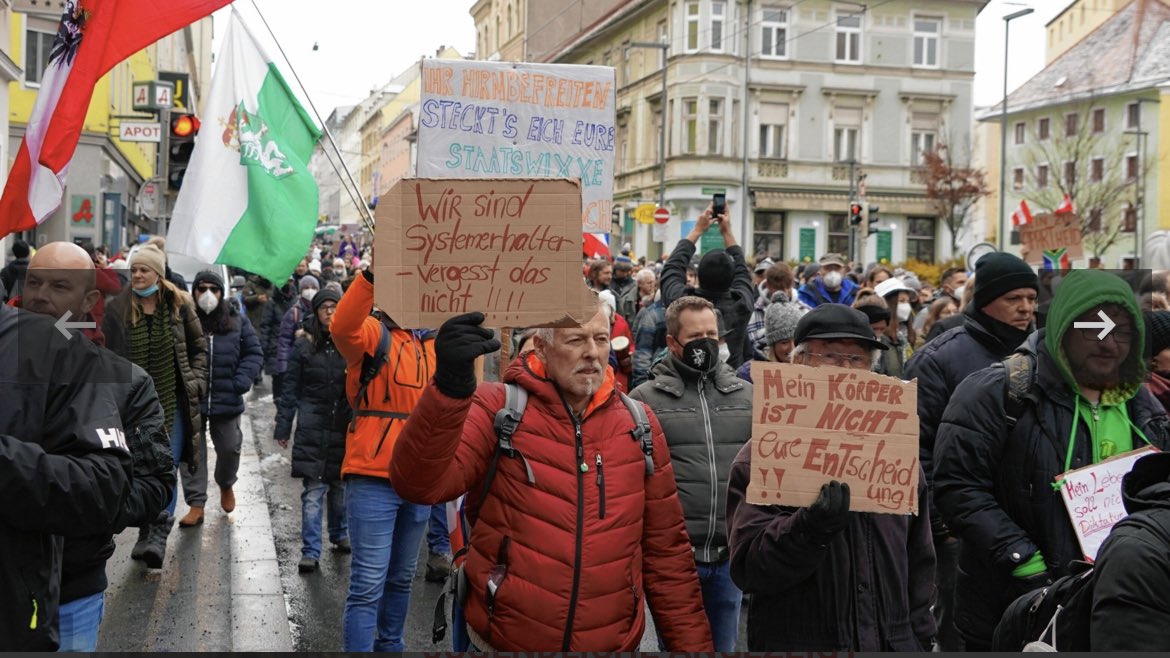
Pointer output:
710, 442
211, 369
600, 487
581, 468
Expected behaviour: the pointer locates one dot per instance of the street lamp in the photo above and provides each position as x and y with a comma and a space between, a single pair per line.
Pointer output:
1007, 21
665, 48
1139, 182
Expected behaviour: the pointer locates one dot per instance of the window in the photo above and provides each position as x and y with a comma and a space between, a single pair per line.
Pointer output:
1133, 115
626, 52
926, 31
1043, 128
849, 38
773, 130
845, 144
1131, 168
717, 9
715, 126
1042, 176
1129, 219
690, 124
1095, 220
1071, 124
1018, 178
774, 38
663, 37
1070, 174
920, 238
1097, 170
37, 46
839, 234
768, 233
509, 23
1099, 120
1019, 133
692, 26
655, 129
920, 144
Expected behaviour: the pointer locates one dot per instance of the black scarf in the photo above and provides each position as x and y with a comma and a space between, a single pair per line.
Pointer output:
1008, 336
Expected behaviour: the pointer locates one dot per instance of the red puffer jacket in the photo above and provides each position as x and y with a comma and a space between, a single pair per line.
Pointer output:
584, 542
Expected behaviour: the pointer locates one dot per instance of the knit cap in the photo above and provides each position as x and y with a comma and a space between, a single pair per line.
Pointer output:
1000, 273
780, 321
152, 257
309, 281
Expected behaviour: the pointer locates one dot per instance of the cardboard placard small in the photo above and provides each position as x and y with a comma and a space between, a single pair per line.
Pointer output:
509, 248
1092, 497
1050, 231
812, 425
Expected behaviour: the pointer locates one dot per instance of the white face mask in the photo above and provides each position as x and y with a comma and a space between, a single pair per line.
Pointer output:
724, 352
904, 311
339, 271
959, 292
308, 294
832, 280
208, 302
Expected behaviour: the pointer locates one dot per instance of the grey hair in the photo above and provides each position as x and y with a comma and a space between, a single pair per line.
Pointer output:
800, 349
645, 274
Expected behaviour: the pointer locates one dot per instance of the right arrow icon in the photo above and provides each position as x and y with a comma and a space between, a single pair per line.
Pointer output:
1105, 325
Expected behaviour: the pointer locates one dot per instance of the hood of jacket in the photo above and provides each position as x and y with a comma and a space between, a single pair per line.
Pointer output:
1147, 485
1081, 291
671, 376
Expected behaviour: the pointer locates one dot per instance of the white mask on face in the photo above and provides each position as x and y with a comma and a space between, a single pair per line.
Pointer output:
339, 271
208, 302
959, 292
724, 352
832, 280
308, 294
904, 311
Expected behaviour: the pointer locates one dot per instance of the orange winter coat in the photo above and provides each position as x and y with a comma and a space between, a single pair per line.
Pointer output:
397, 388
584, 542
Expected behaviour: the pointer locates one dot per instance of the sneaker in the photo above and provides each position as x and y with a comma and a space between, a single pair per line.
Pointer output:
307, 565
438, 568
343, 545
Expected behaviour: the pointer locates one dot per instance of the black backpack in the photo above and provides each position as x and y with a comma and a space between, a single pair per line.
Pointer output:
1054, 618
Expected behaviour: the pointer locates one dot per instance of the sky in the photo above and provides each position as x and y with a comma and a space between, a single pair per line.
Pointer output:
364, 43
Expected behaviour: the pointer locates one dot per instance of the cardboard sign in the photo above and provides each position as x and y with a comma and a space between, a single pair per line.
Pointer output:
1049, 231
813, 425
508, 248
1092, 496
518, 120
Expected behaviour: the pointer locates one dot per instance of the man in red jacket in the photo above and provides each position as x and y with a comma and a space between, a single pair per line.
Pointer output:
572, 530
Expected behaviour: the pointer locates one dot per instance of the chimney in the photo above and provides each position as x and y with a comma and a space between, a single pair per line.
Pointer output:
439, 51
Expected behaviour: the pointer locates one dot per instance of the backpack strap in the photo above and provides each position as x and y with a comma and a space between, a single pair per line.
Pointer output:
1021, 375
642, 431
371, 364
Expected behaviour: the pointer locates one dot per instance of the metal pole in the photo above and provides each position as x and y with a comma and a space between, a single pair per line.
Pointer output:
1001, 227
662, 134
852, 229
1140, 184
745, 198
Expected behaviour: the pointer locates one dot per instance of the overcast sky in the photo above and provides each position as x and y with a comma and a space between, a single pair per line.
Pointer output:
364, 43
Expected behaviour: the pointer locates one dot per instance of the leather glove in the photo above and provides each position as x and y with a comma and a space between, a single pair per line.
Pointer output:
460, 341
829, 513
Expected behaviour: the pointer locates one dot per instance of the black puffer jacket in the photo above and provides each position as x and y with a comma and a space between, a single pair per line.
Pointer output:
314, 393
1131, 596
735, 305
706, 418
994, 488
236, 358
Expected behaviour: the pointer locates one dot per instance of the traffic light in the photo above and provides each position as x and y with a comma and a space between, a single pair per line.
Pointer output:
855, 214
872, 220
180, 146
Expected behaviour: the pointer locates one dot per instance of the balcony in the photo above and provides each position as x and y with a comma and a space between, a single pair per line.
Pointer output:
772, 169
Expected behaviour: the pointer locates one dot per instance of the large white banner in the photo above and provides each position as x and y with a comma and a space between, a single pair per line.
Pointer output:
518, 120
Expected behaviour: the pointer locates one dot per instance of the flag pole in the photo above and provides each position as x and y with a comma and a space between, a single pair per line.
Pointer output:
364, 211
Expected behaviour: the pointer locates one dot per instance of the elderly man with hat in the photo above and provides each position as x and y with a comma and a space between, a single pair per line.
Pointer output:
724, 280
998, 320
830, 285
822, 577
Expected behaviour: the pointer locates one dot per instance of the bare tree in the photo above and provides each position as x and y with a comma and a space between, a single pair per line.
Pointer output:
1089, 166
953, 188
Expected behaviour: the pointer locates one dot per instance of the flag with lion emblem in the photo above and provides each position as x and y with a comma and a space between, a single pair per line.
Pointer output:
248, 198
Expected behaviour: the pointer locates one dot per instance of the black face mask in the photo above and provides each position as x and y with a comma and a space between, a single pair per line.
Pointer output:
702, 354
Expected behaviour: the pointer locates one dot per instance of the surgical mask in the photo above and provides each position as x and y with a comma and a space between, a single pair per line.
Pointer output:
959, 292
701, 354
339, 271
724, 352
904, 311
308, 294
208, 302
832, 280
146, 292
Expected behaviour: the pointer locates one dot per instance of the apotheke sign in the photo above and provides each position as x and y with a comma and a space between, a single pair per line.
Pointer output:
140, 131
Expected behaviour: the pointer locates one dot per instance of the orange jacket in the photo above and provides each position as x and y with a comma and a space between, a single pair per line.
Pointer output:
396, 389
618, 531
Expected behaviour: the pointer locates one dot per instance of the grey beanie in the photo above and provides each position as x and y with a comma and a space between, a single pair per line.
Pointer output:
780, 321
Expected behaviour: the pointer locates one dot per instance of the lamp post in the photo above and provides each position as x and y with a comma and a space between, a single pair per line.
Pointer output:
665, 48
1007, 21
1139, 183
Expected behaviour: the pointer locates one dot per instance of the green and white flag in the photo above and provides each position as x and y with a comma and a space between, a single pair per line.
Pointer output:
247, 197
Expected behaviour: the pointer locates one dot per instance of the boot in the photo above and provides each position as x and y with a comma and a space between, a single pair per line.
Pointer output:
156, 541
227, 499
438, 568
140, 546
194, 517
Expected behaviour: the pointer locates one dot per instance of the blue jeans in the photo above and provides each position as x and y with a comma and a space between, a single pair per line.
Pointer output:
311, 509
438, 538
386, 534
79, 621
721, 600
178, 434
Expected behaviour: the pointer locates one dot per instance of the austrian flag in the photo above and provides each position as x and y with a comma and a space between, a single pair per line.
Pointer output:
93, 36
1022, 215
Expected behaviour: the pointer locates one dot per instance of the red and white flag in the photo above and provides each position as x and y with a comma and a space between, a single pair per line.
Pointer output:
1065, 206
93, 36
1022, 215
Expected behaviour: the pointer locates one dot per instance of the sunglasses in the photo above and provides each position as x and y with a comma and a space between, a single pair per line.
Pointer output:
208, 289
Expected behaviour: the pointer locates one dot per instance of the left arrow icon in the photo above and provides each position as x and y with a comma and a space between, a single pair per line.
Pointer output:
64, 325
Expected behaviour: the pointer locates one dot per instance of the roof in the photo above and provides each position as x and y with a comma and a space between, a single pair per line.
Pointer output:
1129, 52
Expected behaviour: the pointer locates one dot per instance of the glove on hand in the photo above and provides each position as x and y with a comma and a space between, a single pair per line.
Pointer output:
829, 513
460, 341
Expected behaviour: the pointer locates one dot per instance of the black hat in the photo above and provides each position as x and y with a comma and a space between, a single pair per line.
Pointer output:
323, 295
1158, 323
1000, 273
837, 321
207, 276
716, 270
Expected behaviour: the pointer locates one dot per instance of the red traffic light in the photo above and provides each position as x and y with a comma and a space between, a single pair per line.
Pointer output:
184, 125
855, 209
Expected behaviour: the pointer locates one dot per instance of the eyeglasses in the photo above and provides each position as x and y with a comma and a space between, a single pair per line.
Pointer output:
838, 359
328, 308
1119, 336
207, 289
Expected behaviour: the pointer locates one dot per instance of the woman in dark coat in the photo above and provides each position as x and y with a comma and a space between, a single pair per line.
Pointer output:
314, 388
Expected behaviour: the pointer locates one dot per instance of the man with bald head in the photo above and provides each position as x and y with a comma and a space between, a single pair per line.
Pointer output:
61, 279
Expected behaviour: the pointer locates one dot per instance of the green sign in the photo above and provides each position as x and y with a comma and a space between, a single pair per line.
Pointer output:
711, 240
885, 246
808, 245
713, 190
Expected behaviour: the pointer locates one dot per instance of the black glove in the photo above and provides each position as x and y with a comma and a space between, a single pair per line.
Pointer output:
369, 274
460, 341
829, 513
